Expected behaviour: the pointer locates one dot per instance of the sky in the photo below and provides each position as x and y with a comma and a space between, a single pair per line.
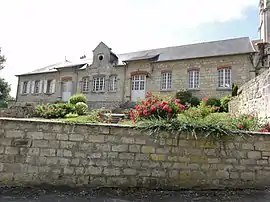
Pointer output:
37, 33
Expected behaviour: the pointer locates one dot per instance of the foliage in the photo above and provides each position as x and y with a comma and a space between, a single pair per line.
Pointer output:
2, 60
199, 112
265, 128
234, 89
187, 98
212, 132
81, 108
224, 102
213, 102
245, 122
74, 99
50, 111
156, 107
4, 89
3, 104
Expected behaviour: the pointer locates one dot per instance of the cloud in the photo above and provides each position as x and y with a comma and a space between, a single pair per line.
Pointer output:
37, 33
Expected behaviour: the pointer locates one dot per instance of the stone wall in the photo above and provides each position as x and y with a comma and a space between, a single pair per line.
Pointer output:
35, 152
254, 97
17, 111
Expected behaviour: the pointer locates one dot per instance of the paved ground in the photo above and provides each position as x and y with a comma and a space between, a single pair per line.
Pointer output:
108, 195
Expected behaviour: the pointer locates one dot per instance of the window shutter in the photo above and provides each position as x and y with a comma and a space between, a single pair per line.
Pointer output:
45, 86
40, 86
53, 86
21, 88
33, 87
28, 87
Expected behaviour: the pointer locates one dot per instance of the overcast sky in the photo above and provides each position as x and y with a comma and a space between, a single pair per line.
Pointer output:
37, 33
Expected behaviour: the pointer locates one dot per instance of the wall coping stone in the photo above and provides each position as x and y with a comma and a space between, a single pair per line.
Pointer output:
104, 124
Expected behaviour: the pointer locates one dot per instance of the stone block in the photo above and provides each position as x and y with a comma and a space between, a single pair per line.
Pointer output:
148, 149
47, 152
96, 138
224, 175
134, 148
157, 157
158, 173
76, 137
111, 171
35, 135
94, 156
49, 136
67, 144
247, 175
79, 154
129, 171
163, 150
103, 147
254, 155
142, 157
93, 170
127, 140
79, 170
68, 170
5, 141
75, 162
12, 150
32, 169
112, 155
40, 143
14, 134
120, 148
60, 136
126, 156
140, 141
64, 161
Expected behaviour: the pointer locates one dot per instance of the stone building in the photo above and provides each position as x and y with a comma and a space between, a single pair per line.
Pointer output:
109, 79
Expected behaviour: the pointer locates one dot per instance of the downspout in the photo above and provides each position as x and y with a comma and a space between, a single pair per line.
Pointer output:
77, 79
18, 84
125, 81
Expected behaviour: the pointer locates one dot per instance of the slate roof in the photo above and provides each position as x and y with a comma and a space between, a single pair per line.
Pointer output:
198, 50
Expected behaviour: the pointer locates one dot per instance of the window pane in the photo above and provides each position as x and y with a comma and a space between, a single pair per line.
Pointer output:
166, 80
193, 79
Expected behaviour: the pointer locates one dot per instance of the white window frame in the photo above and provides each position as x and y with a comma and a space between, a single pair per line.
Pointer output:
49, 86
193, 79
37, 87
85, 84
166, 80
25, 87
112, 83
99, 84
224, 78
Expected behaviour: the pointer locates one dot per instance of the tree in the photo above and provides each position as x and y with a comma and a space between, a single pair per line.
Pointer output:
4, 89
2, 60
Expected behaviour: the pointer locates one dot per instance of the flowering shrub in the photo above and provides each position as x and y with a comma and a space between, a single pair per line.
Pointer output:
156, 107
265, 128
200, 111
81, 108
244, 122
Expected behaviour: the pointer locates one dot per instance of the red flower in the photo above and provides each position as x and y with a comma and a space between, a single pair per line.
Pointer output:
205, 99
153, 108
169, 109
166, 107
264, 130
145, 112
177, 101
240, 126
182, 107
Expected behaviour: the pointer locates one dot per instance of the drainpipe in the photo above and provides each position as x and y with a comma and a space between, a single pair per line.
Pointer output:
126, 79
18, 84
77, 79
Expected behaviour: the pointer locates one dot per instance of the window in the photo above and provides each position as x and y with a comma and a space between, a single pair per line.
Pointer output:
193, 79
112, 83
166, 80
85, 84
100, 56
49, 86
36, 86
99, 84
138, 82
224, 78
25, 86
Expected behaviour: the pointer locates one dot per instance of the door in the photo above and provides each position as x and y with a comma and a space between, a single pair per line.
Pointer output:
138, 87
66, 90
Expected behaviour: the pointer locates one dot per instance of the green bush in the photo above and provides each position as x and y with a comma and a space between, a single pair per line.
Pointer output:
224, 101
186, 98
213, 102
81, 108
234, 89
3, 104
49, 111
74, 99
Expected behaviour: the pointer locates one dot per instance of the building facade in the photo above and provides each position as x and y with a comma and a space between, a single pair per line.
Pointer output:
108, 79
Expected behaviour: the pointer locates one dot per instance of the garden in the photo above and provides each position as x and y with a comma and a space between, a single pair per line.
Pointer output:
181, 113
